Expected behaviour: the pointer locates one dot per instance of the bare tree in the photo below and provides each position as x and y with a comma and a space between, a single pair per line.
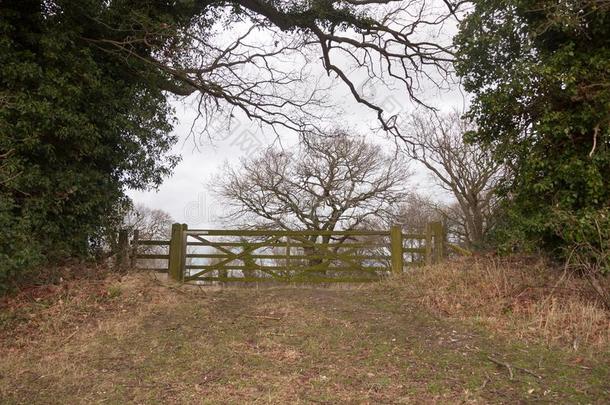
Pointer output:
416, 212
468, 172
329, 183
150, 222
252, 55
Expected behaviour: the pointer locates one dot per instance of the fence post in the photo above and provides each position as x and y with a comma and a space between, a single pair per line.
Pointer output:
288, 262
176, 259
122, 253
439, 240
134, 248
428, 244
183, 241
397, 251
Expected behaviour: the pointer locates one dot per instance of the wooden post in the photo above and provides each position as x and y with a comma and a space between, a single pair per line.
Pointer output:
287, 260
134, 248
397, 251
428, 244
183, 241
439, 241
175, 253
122, 253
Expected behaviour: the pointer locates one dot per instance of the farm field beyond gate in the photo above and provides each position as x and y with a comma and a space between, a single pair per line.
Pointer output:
145, 343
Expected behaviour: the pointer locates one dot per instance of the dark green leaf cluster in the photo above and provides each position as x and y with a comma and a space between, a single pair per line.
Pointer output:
540, 73
78, 126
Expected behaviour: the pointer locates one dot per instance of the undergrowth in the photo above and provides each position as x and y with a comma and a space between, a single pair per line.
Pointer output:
523, 298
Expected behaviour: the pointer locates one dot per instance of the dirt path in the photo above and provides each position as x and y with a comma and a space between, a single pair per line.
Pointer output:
288, 345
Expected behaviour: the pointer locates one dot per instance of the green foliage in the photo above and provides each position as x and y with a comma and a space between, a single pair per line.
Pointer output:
587, 235
77, 127
17, 250
540, 73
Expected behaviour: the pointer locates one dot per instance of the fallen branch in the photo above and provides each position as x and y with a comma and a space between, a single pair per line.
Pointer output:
499, 363
487, 379
510, 368
66, 340
525, 370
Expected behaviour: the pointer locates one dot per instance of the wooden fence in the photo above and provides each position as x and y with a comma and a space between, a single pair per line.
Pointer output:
286, 256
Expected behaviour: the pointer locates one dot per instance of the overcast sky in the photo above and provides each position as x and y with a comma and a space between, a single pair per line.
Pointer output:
185, 194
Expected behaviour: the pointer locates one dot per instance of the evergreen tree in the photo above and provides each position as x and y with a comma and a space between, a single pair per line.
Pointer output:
540, 74
77, 127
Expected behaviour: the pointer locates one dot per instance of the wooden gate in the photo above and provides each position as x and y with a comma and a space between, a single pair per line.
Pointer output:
293, 256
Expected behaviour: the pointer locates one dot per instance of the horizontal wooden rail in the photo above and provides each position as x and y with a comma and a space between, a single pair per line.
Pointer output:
459, 250
371, 269
247, 232
286, 279
414, 250
236, 232
303, 256
139, 255
276, 243
283, 256
151, 256
154, 269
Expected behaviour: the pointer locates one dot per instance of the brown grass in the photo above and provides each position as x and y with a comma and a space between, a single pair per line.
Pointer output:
135, 339
524, 298
77, 300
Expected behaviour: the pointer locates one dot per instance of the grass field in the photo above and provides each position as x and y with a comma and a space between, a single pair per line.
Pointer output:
135, 340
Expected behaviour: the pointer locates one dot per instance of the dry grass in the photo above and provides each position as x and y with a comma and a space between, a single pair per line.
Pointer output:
134, 339
77, 301
519, 297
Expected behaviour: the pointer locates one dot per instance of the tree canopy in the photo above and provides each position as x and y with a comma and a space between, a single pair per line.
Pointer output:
252, 55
